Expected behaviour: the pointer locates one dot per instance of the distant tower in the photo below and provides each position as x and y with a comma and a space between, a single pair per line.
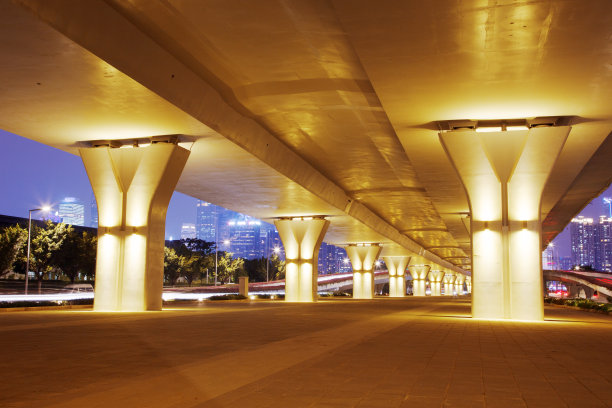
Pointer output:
93, 212
607, 202
582, 239
603, 244
207, 218
72, 211
188, 231
549, 260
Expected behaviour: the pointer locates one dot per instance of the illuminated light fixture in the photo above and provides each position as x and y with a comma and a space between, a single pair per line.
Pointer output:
516, 128
307, 218
524, 225
487, 129
503, 125
486, 225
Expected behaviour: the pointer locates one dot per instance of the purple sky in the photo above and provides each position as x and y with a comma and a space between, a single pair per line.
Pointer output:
34, 174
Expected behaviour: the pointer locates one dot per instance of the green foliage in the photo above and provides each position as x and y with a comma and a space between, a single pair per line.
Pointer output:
228, 267
188, 258
586, 304
12, 239
229, 296
46, 242
77, 255
173, 265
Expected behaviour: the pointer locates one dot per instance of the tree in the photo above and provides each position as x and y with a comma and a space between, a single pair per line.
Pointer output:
277, 268
196, 257
77, 254
228, 267
46, 242
173, 265
255, 269
12, 240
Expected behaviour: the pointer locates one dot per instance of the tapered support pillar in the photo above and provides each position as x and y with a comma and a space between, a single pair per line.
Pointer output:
449, 283
302, 238
504, 174
132, 188
362, 257
435, 280
459, 281
419, 273
468, 284
396, 265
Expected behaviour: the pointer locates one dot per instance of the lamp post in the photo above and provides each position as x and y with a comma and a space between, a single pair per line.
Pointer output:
27, 274
276, 251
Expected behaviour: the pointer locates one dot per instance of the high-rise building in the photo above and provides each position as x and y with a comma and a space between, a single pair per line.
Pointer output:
583, 249
188, 231
549, 258
607, 205
245, 238
206, 221
93, 212
565, 263
332, 259
72, 211
603, 244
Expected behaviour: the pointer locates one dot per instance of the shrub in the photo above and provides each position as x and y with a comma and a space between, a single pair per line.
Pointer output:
229, 296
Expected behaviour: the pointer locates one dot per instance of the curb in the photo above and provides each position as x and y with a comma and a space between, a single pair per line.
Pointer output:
41, 308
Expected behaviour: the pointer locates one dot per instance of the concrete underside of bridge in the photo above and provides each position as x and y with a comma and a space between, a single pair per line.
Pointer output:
341, 108
389, 352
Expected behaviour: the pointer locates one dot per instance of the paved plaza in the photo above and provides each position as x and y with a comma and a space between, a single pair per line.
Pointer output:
410, 352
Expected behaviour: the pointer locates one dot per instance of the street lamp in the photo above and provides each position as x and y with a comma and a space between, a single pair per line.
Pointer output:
276, 251
27, 274
225, 242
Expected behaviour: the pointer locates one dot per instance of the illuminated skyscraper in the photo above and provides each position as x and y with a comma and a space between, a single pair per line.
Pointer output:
603, 244
72, 211
583, 249
206, 221
188, 231
93, 213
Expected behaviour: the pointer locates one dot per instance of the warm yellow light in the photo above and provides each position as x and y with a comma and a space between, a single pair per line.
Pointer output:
524, 225
486, 129
516, 128
45, 208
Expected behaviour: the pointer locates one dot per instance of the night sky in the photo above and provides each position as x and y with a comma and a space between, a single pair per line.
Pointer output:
34, 174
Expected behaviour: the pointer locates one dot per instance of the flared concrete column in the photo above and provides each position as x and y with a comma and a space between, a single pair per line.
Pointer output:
396, 265
302, 238
468, 284
362, 257
449, 283
435, 278
459, 281
419, 273
504, 174
132, 188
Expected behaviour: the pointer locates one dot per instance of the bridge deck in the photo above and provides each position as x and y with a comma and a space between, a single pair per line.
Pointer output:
336, 353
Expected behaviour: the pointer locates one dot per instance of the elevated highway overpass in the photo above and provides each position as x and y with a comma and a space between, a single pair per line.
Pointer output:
595, 281
356, 122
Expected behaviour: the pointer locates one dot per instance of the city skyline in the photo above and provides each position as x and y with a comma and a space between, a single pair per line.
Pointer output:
53, 175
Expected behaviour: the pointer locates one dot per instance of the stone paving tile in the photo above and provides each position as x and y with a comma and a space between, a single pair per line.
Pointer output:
380, 353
